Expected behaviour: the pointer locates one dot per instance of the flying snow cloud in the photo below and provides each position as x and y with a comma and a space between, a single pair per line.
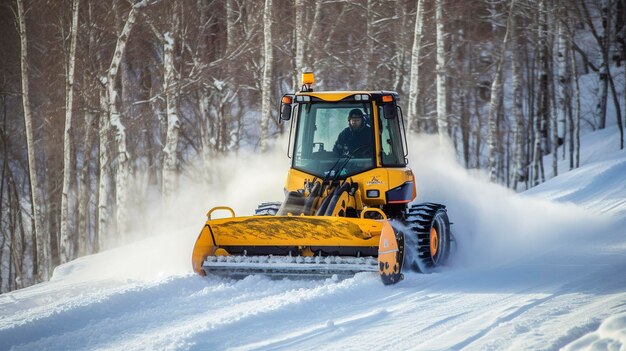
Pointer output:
491, 222
162, 241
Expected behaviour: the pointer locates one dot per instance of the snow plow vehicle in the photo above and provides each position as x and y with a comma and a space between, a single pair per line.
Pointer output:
348, 195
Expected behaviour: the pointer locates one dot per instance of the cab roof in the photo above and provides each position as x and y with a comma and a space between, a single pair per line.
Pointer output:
347, 95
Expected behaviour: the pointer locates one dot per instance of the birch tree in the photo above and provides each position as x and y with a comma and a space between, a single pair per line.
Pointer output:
303, 56
442, 108
543, 109
608, 20
415, 62
86, 246
315, 36
299, 8
122, 170
603, 42
202, 94
576, 163
104, 173
171, 98
563, 77
519, 169
495, 104
43, 264
562, 98
369, 43
266, 84
68, 239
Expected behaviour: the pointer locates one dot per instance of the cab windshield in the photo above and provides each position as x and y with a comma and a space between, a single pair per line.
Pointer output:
318, 146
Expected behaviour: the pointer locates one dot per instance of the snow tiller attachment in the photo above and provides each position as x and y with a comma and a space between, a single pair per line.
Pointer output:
346, 208
299, 246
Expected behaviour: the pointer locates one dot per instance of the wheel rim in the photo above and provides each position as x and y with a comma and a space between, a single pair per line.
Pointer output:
434, 241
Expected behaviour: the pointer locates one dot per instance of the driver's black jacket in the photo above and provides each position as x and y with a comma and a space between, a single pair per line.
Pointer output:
350, 140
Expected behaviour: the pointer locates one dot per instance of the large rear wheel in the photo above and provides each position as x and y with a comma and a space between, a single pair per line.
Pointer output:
430, 226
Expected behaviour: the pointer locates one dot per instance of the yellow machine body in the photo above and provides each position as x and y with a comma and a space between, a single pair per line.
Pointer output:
356, 225
378, 179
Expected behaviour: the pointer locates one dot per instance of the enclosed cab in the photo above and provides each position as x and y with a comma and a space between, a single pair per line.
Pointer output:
377, 171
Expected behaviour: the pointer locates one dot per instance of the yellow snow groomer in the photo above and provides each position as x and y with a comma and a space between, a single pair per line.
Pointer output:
347, 199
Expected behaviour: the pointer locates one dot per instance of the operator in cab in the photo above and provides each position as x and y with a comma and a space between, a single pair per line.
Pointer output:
356, 139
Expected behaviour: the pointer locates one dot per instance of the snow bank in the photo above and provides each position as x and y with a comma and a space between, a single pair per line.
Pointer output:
599, 183
611, 335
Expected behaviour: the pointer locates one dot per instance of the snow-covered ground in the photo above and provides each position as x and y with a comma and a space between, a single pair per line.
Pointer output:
541, 270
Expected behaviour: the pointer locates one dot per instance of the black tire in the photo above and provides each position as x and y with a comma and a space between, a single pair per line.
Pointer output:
267, 208
430, 227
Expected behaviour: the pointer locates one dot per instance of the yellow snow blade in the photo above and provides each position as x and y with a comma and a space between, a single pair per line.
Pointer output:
287, 230
255, 232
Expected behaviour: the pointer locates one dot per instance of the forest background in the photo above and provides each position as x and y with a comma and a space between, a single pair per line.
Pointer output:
107, 106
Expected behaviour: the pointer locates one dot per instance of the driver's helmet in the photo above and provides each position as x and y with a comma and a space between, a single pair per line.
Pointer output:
354, 113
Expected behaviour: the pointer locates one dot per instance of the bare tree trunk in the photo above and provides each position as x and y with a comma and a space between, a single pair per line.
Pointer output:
14, 217
369, 43
16, 259
618, 111
314, 36
543, 110
173, 122
465, 101
557, 93
266, 84
604, 69
563, 78
68, 240
299, 44
442, 108
43, 266
479, 127
602, 72
206, 131
577, 109
609, 37
415, 62
621, 38
495, 104
104, 175
401, 44
529, 66
11, 247
554, 122
84, 244
518, 166
604, 42
570, 120
230, 27
122, 171
3, 181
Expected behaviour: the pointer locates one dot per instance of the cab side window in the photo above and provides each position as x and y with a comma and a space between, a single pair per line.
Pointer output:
391, 141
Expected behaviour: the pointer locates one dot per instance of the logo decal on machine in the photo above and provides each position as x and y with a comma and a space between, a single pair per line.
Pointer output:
374, 181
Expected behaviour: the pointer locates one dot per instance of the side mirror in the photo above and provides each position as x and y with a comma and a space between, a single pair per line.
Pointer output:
390, 111
285, 108
285, 112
